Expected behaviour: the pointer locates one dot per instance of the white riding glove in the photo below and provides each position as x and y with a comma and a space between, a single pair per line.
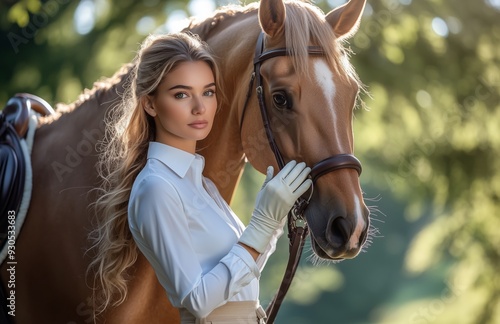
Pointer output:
273, 203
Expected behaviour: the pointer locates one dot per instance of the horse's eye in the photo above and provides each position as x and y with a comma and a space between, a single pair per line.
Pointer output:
281, 100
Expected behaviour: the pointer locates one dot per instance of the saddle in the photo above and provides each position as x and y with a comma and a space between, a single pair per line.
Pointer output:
14, 122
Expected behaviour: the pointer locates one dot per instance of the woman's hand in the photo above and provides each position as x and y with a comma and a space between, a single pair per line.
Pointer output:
273, 203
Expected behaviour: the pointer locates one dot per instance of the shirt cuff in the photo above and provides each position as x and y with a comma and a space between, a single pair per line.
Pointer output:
241, 267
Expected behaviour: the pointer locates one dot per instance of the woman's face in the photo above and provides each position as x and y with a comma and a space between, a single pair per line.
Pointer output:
184, 105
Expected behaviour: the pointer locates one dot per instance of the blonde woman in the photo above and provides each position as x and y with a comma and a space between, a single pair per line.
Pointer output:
202, 254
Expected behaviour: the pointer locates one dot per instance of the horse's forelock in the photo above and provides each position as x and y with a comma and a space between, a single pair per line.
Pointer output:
305, 25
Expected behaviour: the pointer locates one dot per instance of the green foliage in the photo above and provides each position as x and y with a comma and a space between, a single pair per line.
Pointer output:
429, 142
19, 12
432, 137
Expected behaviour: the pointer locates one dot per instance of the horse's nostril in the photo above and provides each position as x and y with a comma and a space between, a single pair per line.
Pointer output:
339, 234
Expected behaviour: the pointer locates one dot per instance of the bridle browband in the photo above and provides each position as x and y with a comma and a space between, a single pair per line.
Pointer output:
297, 225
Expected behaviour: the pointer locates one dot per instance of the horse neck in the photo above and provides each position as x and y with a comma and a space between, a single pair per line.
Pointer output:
233, 46
78, 129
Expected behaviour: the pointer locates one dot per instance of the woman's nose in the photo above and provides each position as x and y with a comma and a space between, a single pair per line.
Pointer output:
198, 106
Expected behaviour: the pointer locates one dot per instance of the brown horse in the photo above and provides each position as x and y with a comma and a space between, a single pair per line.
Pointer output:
310, 102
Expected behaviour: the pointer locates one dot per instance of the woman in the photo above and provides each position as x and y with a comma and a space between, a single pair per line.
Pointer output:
204, 257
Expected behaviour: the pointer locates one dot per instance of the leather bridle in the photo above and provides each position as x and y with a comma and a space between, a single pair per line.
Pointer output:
297, 225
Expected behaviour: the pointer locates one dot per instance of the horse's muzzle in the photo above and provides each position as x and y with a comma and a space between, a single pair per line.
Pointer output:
340, 239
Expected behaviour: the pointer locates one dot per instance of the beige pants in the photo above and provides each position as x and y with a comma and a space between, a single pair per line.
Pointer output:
242, 312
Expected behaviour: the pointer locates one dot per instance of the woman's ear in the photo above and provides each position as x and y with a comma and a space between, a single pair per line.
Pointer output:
147, 104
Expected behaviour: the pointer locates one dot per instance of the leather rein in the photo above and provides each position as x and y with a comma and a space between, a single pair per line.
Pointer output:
297, 224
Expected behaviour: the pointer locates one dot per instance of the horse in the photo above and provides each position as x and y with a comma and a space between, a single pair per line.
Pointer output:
309, 100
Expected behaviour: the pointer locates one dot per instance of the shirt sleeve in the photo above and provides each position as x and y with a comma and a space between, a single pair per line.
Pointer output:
160, 228
271, 247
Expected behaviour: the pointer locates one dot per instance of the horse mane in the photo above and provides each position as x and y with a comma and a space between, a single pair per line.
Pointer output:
99, 88
206, 25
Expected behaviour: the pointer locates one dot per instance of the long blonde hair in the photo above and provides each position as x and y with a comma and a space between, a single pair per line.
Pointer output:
123, 154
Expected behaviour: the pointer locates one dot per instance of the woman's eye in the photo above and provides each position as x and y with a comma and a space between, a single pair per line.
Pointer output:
210, 93
180, 95
281, 100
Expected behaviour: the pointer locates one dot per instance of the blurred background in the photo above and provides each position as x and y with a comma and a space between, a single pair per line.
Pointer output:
428, 138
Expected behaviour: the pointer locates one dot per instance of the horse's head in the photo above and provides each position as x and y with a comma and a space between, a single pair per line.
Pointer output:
309, 100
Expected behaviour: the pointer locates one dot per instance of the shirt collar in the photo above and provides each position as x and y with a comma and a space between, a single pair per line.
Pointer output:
176, 159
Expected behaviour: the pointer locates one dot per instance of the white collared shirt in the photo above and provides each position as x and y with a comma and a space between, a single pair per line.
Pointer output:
189, 234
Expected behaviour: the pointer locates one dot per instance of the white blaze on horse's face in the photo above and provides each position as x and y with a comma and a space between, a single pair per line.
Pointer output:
324, 79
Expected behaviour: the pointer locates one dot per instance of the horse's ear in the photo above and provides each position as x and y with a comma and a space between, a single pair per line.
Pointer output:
345, 19
272, 17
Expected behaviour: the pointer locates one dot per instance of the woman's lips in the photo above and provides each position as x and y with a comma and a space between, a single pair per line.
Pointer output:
199, 124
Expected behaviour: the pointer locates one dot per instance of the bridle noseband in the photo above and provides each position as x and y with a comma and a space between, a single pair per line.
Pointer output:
297, 225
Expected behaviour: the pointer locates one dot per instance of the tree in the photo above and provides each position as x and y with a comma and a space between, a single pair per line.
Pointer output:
432, 136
